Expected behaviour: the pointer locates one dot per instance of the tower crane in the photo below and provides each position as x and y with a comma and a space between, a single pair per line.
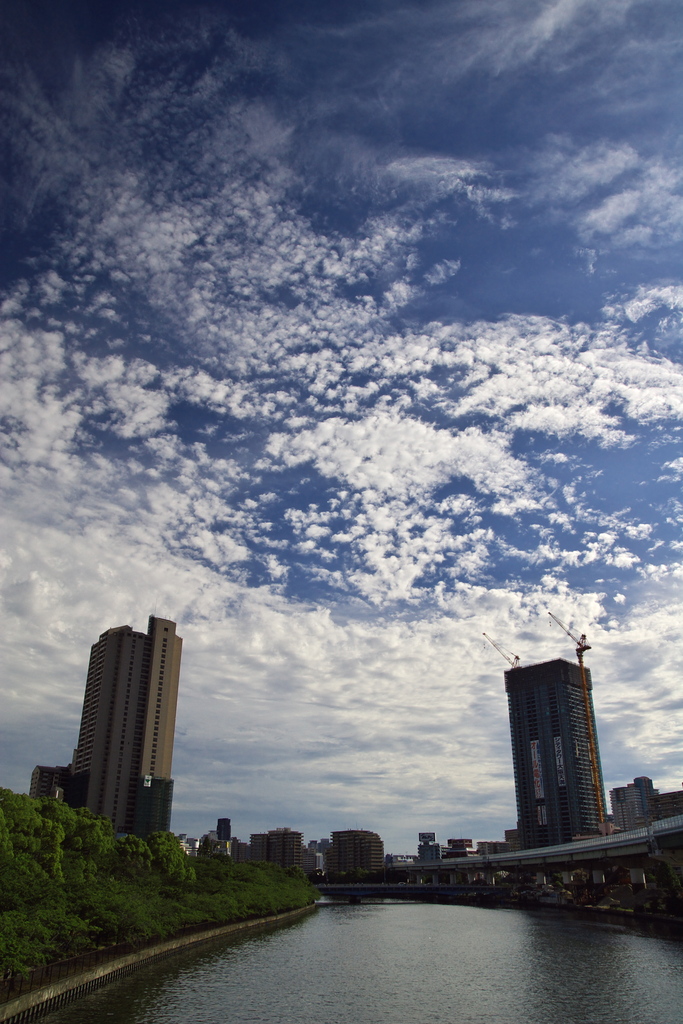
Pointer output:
582, 646
512, 659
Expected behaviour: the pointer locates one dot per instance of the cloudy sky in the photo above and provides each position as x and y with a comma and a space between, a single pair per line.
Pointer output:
342, 333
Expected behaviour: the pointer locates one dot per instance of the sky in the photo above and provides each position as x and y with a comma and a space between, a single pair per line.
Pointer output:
342, 334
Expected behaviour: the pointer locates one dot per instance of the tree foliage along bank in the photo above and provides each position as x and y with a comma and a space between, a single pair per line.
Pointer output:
67, 885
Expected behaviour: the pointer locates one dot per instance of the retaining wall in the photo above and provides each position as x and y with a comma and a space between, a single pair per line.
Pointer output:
34, 1004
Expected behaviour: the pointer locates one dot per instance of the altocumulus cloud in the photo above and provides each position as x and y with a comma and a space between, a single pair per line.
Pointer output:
315, 369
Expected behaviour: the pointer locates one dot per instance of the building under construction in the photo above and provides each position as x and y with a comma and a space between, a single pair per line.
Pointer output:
558, 775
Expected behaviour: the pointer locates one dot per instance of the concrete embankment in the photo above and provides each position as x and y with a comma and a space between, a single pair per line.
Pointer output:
31, 1005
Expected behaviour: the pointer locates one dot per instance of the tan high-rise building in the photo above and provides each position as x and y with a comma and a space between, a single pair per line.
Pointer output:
283, 846
122, 764
355, 848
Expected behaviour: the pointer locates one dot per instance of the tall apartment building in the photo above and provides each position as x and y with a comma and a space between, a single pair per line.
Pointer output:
49, 780
355, 848
122, 764
283, 846
631, 803
554, 777
512, 838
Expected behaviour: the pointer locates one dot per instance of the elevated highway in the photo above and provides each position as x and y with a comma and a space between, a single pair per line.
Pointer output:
636, 850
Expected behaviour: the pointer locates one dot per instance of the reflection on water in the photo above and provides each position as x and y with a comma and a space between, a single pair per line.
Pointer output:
407, 964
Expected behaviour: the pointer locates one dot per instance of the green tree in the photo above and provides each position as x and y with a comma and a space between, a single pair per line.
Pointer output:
23, 821
134, 852
66, 885
49, 853
666, 878
5, 838
206, 848
169, 858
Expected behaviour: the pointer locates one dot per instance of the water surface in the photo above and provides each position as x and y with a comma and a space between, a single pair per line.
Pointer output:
398, 963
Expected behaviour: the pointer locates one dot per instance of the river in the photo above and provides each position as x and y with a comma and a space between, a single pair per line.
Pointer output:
398, 963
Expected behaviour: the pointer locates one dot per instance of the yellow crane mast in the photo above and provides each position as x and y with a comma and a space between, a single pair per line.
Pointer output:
581, 646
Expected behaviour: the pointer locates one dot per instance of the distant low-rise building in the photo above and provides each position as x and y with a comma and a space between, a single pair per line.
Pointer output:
399, 860
428, 848
239, 851
319, 845
189, 845
667, 805
312, 860
489, 847
458, 848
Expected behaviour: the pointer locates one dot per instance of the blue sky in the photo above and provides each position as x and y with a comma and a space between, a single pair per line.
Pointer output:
342, 336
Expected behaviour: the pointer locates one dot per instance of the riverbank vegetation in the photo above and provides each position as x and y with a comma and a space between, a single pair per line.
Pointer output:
67, 885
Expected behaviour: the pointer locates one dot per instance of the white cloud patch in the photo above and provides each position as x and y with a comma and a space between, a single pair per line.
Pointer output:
393, 454
122, 394
612, 194
647, 299
40, 421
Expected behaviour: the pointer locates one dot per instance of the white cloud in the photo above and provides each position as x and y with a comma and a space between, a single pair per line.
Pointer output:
648, 298
441, 272
394, 454
614, 195
566, 174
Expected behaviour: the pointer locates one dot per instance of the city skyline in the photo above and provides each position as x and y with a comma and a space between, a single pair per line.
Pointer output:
339, 335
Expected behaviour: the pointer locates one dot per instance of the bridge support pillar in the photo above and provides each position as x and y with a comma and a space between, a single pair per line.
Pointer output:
566, 878
471, 876
540, 878
637, 876
598, 877
435, 877
488, 875
452, 877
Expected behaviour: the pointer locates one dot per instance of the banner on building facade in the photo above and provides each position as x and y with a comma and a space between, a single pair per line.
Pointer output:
536, 769
559, 761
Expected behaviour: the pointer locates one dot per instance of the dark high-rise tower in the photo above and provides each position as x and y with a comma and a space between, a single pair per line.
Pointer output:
551, 753
223, 830
122, 764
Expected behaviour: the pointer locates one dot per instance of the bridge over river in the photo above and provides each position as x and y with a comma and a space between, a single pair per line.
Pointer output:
356, 892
